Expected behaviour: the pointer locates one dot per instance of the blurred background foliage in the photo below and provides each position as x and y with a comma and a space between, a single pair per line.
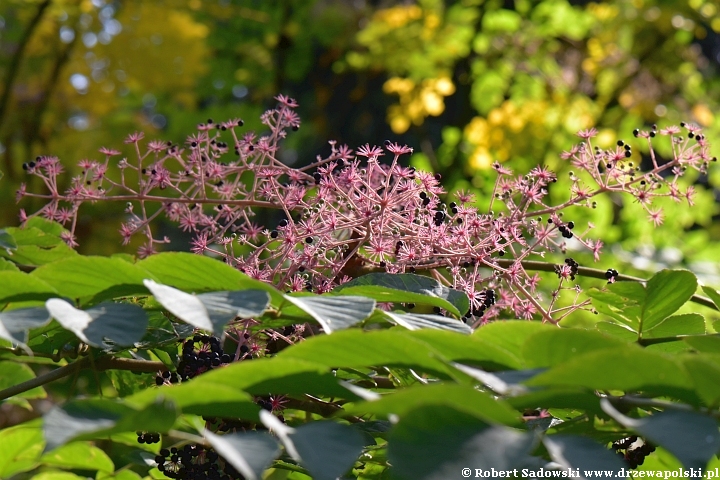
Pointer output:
464, 82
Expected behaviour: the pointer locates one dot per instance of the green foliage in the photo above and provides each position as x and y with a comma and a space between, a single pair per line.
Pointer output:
375, 395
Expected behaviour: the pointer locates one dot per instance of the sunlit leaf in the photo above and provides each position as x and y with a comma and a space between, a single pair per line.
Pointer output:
415, 321
335, 312
103, 325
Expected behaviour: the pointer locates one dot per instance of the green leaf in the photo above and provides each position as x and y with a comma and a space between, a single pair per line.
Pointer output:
706, 376
103, 325
16, 286
642, 308
251, 453
7, 241
95, 418
621, 332
12, 373
210, 311
83, 277
704, 343
621, 301
36, 247
693, 438
196, 273
8, 265
79, 455
511, 336
626, 368
119, 475
576, 452
557, 397
464, 398
21, 447
667, 291
471, 350
335, 312
415, 321
47, 226
327, 449
57, 475
407, 288
552, 347
222, 392
355, 348
675, 327
15, 324
437, 442
713, 294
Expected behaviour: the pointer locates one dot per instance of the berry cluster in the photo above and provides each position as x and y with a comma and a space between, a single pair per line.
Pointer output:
634, 453
487, 299
148, 437
611, 275
196, 360
195, 462
570, 269
565, 230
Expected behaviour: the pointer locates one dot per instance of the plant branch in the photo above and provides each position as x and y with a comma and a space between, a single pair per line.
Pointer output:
595, 273
319, 407
654, 341
101, 364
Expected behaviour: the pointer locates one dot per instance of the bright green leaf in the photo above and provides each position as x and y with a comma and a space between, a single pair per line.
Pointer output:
706, 376
464, 398
8, 265
667, 291
78, 455
12, 373
57, 475
16, 286
510, 335
713, 294
552, 347
196, 273
621, 332
355, 348
627, 368
21, 447
704, 343
82, 277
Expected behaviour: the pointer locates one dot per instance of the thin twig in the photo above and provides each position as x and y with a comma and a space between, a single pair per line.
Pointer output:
103, 363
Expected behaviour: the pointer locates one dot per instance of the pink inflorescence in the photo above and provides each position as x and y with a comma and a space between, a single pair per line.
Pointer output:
354, 212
